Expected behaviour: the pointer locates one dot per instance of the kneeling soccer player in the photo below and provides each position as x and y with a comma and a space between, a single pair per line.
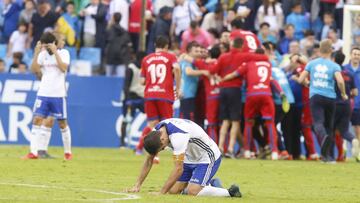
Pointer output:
196, 157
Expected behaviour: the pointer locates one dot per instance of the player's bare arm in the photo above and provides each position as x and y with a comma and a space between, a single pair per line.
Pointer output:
341, 84
177, 75
35, 67
143, 174
62, 66
302, 77
230, 76
175, 174
191, 72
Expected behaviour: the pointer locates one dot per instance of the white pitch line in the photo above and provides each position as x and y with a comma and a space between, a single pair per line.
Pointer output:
127, 196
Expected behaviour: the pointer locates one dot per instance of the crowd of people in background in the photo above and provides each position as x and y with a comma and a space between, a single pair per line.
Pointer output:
199, 32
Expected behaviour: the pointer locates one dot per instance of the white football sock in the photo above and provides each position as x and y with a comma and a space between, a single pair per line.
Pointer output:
214, 191
66, 138
44, 138
34, 139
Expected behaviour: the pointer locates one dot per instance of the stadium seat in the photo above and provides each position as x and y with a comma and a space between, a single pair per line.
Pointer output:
80, 68
91, 54
28, 56
3, 48
73, 53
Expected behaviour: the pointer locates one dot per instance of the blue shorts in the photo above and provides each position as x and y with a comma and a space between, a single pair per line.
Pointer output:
200, 174
50, 106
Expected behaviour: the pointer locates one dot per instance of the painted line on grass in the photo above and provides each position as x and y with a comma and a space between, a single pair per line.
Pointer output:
127, 196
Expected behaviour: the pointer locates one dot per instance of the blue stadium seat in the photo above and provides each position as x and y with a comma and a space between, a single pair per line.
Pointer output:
28, 56
91, 54
3, 48
73, 53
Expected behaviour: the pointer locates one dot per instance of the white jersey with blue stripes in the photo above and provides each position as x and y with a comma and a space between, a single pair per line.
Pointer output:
187, 137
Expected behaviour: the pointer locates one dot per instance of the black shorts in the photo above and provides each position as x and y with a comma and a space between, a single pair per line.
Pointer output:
355, 117
342, 117
230, 104
187, 108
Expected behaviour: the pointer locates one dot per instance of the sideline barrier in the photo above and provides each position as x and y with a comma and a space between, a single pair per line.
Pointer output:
94, 110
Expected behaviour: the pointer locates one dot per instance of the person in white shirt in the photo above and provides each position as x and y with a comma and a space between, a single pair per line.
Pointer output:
52, 64
184, 12
18, 40
196, 156
90, 23
120, 6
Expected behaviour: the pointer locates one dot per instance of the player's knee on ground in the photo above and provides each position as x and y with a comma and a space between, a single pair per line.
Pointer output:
177, 188
194, 189
62, 124
38, 120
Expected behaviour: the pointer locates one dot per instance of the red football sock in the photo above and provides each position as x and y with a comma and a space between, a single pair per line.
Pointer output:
145, 131
272, 138
309, 140
339, 145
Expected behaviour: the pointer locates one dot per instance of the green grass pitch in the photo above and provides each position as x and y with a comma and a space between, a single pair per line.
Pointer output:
100, 175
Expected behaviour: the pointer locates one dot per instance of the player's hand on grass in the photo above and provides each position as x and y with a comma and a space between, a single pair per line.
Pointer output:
133, 189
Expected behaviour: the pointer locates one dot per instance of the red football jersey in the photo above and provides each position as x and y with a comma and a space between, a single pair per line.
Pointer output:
305, 90
258, 76
211, 86
157, 68
251, 41
230, 62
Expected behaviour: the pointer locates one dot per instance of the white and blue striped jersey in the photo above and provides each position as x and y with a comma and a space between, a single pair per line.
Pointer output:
187, 137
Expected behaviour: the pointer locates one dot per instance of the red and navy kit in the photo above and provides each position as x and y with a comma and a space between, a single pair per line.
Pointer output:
157, 69
251, 41
258, 79
258, 100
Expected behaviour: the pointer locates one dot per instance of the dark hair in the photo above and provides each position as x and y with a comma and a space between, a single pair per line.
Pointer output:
2, 61
267, 4
22, 23
264, 24
296, 3
70, 3
193, 24
48, 38
238, 43
269, 46
117, 17
329, 14
191, 45
226, 46
355, 48
237, 24
260, 51
18, 55
214, 32
287, 26
152, 142
215, 51
161, 42
309, 33
339, 57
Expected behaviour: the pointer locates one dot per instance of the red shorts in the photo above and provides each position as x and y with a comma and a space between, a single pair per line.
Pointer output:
158, 109
306, 119
212, 111
259, 105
